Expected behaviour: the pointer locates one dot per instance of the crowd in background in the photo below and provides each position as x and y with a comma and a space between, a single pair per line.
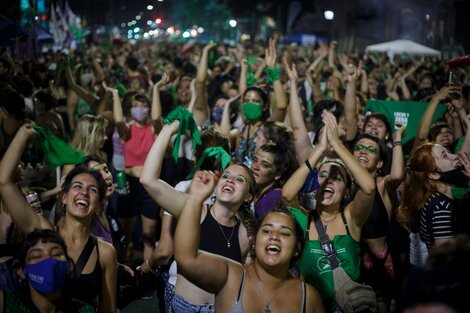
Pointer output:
248, 153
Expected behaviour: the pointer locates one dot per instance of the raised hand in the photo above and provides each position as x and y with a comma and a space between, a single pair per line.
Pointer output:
331, 126
203, 184
270, 53
162, 82
399, 132
107, 88
291, 72
465, 162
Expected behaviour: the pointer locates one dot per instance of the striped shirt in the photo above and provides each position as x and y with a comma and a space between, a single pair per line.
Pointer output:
437, 219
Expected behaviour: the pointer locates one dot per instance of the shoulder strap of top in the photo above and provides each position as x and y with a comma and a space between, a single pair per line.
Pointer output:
242, 286
85, 255
304, 298
345, 222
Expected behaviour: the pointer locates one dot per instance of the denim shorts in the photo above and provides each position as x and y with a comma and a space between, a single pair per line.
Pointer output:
180, 305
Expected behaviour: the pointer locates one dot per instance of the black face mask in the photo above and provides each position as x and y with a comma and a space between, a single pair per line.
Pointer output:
454, 177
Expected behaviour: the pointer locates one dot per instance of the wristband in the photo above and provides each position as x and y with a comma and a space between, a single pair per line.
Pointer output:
307, 162
273, 73
396, 143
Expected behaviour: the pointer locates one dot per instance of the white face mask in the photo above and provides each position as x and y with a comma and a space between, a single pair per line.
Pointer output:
85, 79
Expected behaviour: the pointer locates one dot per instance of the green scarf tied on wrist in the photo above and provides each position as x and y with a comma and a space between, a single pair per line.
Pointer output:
212, 152
56, 150
250, 76
187, 123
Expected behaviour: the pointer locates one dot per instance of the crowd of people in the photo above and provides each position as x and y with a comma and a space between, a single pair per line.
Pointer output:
232, 179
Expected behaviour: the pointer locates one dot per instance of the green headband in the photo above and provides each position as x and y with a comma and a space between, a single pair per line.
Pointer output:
57, 152
212, 152
187, 123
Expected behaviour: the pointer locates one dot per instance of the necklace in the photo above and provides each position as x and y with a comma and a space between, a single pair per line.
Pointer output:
223, 233
325, 222
267, 309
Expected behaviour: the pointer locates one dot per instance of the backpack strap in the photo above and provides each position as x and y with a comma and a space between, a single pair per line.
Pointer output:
85, 255
325, 241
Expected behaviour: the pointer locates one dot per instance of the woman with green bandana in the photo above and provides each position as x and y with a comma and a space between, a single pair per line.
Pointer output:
341, 217
256, 109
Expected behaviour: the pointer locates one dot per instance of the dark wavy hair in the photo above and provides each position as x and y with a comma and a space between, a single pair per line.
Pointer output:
85, 170
39, 235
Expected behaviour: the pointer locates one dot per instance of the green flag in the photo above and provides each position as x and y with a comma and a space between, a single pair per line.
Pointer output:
57, 151
404, 112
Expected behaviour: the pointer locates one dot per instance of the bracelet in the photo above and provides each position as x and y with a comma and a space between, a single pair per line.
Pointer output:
396, 143
273, 73
307, 162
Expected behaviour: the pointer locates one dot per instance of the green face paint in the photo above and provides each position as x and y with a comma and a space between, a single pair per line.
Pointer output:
252, 111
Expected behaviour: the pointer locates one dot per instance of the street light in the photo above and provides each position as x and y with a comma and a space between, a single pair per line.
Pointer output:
329, 15
150, 7
232, 23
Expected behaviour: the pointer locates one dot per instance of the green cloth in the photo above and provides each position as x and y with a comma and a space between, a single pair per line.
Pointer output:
459, 193
212, 152
273, 73
57, 151
187, 123
315, 267
406, 112
458, 147
250, 75
120, 88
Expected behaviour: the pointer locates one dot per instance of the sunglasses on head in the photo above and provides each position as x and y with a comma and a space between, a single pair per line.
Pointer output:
370, 149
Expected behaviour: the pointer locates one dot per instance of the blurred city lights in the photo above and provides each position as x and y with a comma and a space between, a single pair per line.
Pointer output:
186, 34
158, 21
193, 33
329, 15
150, 7
232, 23
200, 30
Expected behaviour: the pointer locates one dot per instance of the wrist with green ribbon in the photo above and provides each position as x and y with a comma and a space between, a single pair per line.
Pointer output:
273, 73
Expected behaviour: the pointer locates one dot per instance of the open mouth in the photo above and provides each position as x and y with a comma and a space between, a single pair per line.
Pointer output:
273, 249
328, 192
362, 159
81, 203
227, 188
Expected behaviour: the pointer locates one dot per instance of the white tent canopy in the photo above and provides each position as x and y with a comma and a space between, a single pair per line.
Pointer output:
403, 46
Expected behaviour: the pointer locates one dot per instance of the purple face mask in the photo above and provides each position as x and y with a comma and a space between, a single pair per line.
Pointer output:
140, 113
47, 276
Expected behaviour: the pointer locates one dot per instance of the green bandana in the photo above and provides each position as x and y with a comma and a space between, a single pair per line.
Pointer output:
250, 76
459, 193
187, 123
273, 73
120, 88
252, 111
57, 151
212, 152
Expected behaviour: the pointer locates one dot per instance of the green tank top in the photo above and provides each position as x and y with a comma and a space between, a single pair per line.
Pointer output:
314, 265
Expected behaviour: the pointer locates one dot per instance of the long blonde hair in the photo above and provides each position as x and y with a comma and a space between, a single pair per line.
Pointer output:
88, 133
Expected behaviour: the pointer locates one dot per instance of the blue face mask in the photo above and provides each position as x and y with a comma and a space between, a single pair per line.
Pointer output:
217, 114
47, 276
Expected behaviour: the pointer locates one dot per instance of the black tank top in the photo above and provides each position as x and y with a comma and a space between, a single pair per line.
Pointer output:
87, 287
213, 241
376, 225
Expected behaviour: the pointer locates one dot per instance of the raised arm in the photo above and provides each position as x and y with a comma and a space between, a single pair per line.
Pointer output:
207, 271
302, 144
201, 107
361, 206
426, 120
350, 107
273, 72
243, 71
397, 172
81, 92
294, 184
161, 192
156, 111
19, 209
118, 115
